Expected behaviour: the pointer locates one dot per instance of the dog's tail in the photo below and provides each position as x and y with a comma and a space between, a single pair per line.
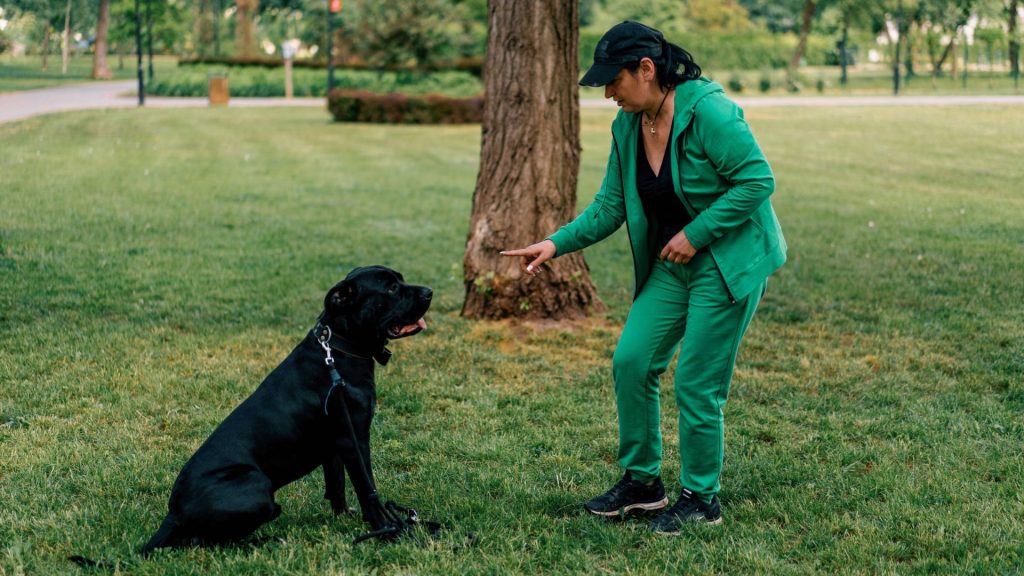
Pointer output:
84, 562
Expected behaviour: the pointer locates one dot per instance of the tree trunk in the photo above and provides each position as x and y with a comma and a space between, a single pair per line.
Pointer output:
203, 27
937, 67
245, 40
953, 57
529, 160
805, 30
149, 37
65, 52
46, 47
908, 63
1011, 29
100, 70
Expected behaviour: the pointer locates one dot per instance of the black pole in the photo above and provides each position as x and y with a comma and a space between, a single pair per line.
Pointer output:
896, 59
896, 69
330, 49
149, 37
842, 50
138, 52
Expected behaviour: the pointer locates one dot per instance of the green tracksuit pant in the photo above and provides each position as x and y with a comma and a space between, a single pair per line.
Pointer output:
688, 302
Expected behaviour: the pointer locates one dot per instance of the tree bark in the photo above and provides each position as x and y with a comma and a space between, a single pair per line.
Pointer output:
65, 51
937, 66
805, 30
46, 47
100, 70
529, 160
244, 38
203, 27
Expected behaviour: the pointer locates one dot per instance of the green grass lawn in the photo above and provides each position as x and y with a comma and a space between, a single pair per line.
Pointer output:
26, 72
157, 265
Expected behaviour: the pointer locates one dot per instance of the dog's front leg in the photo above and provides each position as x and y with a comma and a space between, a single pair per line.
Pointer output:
364, 486
334, 484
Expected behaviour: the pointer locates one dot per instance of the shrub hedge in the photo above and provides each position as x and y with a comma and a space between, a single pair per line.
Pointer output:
253, 81
348, 105
472, 66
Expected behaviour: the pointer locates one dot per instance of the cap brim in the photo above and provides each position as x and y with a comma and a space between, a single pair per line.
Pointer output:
600, 75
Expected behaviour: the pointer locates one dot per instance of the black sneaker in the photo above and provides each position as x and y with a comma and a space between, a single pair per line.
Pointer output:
629, 496
687, 509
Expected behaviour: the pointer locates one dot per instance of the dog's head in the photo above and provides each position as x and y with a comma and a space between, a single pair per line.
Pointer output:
373, 304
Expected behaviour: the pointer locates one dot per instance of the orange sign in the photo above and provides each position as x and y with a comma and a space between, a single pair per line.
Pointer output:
335, 6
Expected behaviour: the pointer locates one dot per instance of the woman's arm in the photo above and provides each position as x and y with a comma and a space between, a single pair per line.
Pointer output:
604, 215
731, 147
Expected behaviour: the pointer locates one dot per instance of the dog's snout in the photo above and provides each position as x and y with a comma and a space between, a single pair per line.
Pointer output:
427, 293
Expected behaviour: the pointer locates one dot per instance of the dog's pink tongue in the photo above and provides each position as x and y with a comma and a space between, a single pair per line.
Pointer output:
419, 325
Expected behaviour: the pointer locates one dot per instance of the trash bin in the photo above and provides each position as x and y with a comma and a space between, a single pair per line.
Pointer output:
218, 88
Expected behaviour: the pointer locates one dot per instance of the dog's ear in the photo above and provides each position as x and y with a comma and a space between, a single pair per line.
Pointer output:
341, 297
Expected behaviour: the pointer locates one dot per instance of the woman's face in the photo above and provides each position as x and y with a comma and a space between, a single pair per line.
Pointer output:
630, 90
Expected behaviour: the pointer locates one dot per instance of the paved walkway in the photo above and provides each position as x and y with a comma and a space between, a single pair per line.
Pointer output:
118, 94
121, 94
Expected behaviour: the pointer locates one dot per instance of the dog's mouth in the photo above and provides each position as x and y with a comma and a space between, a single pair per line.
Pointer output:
407, 330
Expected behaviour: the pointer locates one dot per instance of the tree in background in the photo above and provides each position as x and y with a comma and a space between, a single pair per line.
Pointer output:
100, 70
717, 16
776, 15
245, 27
806, 16
847, 14
1013, 35
401, 33
529, 161
943, 19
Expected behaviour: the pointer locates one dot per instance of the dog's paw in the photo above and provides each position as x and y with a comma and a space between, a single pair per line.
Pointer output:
341, 507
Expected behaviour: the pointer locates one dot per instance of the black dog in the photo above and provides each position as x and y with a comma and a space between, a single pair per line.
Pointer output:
295, 422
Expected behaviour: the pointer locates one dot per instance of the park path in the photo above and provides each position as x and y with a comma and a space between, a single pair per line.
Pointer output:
116, 94
121, 94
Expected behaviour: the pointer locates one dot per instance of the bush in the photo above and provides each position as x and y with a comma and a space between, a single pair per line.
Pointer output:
251, 81
472, 65
736, 83
348, 105
764, 83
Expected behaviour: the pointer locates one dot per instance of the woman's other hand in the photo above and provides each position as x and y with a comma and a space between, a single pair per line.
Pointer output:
533, 256
678, 249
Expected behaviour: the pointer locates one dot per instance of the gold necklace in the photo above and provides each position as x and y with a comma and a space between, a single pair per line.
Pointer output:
653, 120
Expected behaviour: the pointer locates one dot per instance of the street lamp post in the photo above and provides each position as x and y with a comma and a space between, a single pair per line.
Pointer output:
138, 52
333, 7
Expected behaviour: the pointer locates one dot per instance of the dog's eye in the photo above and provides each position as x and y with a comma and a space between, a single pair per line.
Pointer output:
393, 289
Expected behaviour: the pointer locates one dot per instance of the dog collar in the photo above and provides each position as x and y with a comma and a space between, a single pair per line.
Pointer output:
325, 335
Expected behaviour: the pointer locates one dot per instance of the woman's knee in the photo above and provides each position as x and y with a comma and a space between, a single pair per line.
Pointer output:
633, 363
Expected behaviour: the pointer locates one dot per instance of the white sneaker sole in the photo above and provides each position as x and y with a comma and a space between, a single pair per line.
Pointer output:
715, 522
632, 508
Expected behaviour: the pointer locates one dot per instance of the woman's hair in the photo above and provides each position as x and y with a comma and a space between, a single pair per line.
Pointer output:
674, 66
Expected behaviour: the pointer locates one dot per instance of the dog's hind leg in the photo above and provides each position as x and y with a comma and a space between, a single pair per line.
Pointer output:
164, 537
234, 510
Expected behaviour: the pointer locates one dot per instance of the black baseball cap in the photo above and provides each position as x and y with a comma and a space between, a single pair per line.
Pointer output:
624, 44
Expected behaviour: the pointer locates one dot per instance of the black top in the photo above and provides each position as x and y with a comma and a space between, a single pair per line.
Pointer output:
661, 205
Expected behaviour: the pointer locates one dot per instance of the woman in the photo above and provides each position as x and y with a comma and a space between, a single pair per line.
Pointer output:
687, 177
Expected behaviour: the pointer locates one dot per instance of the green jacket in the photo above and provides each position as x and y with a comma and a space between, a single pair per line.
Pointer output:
722, 178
